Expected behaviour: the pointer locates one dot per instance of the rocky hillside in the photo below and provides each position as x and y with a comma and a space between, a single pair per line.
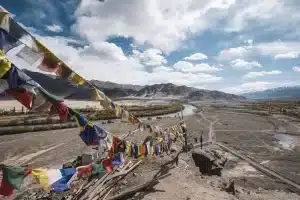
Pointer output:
113, 90
276, 93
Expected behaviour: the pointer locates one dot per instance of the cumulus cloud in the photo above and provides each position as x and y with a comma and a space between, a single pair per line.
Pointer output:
196, 56
233, 53
242, 64
150, 57
278, 48
162, 69
54, 28
105, 61
184, 66
248, 87
261, 73
165, 25
289, 55
296, 69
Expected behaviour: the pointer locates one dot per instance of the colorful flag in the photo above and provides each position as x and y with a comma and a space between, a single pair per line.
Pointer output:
63, 71
4, 19
107, 164
13, 178
96, 96
98, 169
55, 179
16, 78
77, 79
40, 102
84, 171
106, 103
61, 109
7, 42
21, 95
50, 63
91, 135
128, 148
5, 65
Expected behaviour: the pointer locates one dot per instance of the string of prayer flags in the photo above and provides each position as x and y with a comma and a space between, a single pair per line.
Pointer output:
35, 53
13, 178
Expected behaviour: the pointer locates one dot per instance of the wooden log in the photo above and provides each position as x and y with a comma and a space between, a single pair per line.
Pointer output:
138, 188
94, 187
101, 190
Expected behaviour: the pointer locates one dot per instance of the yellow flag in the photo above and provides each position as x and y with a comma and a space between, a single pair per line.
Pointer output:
5, 65
117, 111
96, 95
77, 79
128, 148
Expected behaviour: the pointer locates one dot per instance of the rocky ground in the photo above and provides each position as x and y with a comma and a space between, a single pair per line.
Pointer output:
272, 141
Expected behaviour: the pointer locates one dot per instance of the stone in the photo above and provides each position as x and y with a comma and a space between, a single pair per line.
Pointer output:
173, 149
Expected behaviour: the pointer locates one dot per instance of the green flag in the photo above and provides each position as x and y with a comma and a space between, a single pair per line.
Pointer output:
14, 175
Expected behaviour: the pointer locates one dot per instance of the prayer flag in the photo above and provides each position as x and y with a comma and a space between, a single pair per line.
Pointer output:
77, 79
5, 65
61, 109
13, 178
57, 179
96, 95
21, 95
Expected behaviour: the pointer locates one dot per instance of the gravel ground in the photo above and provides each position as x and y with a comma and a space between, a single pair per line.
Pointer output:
249, 134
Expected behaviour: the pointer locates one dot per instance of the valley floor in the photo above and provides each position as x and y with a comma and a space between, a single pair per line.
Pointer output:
272, 141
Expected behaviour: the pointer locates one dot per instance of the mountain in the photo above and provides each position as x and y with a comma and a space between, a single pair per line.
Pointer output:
184, 92
275, 93
68, 90
111, 85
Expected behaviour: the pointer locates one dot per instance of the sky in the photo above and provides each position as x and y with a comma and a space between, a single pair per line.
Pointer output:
235, 46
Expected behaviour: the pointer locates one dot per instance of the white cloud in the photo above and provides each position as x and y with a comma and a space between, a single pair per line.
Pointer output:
107, 62
278, 47
196, 56
248, 87
104, 50
54, 28
242, 64
263, 14
296, 69
187, 67
233, 53
277, 50
262, 73
204, 67
162, 69
150, 57
289, 55
183, 66
163, 24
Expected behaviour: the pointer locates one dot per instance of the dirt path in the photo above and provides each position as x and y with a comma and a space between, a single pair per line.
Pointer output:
211, 133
